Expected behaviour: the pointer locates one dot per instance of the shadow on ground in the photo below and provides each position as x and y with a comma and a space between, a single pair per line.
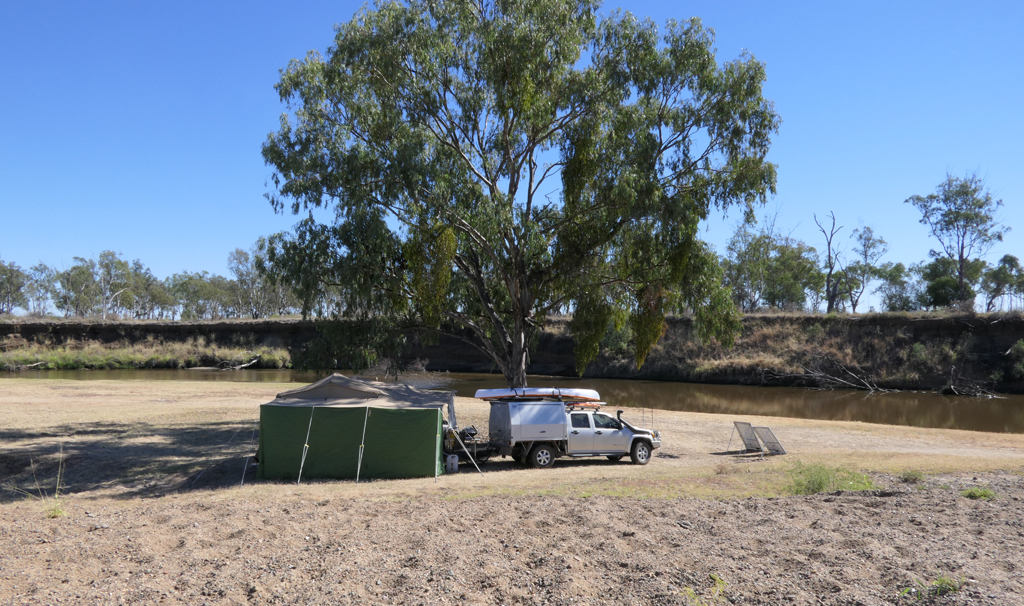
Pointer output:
136, 459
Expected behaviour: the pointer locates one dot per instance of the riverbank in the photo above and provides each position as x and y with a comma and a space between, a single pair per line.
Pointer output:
155, 513
959, 353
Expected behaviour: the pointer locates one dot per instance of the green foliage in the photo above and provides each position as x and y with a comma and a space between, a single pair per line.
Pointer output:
12, 284
1016, 355
817, 477
716, 598
589, 325
765, 269
942, 288
975, 493
940, 586
961, 216
815, 333
434, 131
898, 291
920, 359
39, 288
1005, 279
868, 250
912, 476
353, 344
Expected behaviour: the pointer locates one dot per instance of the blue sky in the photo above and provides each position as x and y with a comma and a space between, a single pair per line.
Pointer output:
136, 126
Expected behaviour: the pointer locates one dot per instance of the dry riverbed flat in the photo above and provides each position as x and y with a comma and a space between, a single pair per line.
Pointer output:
155, 514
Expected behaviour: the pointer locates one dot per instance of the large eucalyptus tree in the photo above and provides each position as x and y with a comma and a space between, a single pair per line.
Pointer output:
491, 162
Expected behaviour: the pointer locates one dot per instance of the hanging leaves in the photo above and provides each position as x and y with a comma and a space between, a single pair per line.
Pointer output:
648, 321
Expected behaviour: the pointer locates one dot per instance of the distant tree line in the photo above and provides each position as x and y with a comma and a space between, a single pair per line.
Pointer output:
770, 270
110, 287
764, 268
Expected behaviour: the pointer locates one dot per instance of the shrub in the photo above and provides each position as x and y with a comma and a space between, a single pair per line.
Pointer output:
942, 585
975, 492
918, 358
911, 476
817, 477
1016, 354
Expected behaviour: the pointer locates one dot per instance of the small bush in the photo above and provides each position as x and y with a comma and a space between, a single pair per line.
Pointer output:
918, 358
1016, 354
716, 598
817, 477
815, 333
911, 476
975, 492
942, 585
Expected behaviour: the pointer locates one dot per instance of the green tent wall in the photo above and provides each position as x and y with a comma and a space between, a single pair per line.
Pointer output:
403, 443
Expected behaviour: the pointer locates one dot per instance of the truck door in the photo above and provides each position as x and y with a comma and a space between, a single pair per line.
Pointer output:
608, 435
581, 434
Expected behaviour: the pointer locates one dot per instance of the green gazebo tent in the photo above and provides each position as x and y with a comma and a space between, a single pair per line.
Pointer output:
343, 427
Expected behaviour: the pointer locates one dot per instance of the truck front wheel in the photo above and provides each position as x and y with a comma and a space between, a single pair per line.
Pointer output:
641, 453
542, 456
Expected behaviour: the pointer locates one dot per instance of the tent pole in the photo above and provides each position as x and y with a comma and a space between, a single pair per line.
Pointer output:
251, 440
305, 445
451, 411
359, 463
467, 452
437, 446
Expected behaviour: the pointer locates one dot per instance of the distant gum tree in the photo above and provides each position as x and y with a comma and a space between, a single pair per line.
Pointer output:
1005, 279
40, 288
961, 216
868, 251
491, 163
12, 285
766, 269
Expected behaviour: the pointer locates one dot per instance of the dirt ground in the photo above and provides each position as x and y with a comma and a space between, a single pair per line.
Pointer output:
157, 512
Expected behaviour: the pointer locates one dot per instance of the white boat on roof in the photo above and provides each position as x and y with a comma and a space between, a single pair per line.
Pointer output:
568, 395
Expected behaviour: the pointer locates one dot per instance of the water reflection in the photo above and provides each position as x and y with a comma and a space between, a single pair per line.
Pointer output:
907, 408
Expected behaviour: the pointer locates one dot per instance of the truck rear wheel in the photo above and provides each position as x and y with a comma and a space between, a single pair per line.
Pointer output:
641, 453
542, 456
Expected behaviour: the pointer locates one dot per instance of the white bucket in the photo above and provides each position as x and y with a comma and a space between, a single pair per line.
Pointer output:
451, 464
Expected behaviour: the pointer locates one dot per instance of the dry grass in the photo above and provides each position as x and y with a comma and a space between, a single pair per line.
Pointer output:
149, 353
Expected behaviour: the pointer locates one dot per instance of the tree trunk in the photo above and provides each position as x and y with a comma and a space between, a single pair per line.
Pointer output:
516, 373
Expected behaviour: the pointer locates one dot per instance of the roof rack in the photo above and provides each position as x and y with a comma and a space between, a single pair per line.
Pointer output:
583, 405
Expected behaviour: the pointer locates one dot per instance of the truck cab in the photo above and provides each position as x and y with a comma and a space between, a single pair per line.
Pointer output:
536, 431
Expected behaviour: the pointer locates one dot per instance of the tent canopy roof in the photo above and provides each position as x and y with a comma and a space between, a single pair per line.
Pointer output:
340, 391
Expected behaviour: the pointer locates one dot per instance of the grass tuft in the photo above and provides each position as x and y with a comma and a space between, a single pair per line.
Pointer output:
942, 585
975, 493
54, 505
716, 598
912, 476
817, 477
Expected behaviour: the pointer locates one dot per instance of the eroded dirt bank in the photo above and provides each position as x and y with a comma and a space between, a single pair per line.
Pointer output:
923, 350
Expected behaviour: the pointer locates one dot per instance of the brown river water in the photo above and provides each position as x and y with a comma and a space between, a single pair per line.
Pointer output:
917, 409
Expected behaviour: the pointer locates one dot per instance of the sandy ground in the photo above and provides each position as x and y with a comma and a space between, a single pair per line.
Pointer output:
157, 513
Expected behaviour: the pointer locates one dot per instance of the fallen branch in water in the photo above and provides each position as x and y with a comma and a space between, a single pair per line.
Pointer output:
245, 365
20, 367
836, 377
957, 385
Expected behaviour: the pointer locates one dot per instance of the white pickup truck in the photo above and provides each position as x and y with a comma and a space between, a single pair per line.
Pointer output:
535, 430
